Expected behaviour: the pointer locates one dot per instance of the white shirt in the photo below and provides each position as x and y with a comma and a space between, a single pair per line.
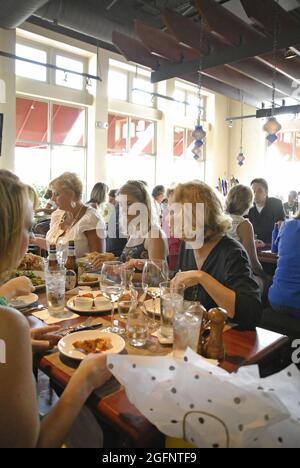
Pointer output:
237, 220
90, 221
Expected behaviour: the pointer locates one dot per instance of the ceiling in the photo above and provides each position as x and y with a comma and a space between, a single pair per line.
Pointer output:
235, 44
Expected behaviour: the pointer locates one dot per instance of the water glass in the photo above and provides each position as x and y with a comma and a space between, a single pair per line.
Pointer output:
186, 329
123, 309
55, 289
112, 287
137, 323
172, 299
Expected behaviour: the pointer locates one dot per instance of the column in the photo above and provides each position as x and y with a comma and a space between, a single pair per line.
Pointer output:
8, 99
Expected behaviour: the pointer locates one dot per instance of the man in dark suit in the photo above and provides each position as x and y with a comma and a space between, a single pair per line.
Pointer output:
266, 211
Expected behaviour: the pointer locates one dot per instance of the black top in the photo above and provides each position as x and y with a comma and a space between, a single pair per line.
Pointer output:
228, 263
263, 222
115, 241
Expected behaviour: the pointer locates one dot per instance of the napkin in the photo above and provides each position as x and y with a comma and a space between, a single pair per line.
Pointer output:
210, 408
49, 320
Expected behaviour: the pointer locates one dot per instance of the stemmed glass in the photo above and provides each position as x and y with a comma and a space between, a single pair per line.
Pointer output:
154, 273
112, 286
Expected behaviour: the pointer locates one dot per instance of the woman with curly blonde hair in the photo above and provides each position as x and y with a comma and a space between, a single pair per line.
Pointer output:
73, 220
215, 272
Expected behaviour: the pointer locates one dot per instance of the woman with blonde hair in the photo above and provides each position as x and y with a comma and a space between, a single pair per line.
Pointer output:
238, 203
20, 425
145, 237
73, 220
216, 270
98, 195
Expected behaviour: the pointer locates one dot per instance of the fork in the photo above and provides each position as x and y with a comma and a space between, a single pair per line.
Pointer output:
67, 330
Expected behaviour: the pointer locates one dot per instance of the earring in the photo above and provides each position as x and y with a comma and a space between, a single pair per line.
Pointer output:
73, 205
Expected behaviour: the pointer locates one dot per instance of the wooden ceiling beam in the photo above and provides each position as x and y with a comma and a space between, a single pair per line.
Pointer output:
241, 82
134, 51
229, 91
163, 44
261, 72
225, 25
263, 14
227, 56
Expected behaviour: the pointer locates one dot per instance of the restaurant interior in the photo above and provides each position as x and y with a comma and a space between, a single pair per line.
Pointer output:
150, 224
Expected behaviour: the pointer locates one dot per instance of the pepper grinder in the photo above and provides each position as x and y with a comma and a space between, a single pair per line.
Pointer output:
214, 346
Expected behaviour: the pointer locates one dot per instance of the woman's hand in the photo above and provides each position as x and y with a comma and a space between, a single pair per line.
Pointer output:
187, 279
259, 244
21, 286
93, 371
42, 339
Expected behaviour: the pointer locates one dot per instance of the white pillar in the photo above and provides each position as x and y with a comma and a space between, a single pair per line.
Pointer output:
97, 137
8, 99
165, 131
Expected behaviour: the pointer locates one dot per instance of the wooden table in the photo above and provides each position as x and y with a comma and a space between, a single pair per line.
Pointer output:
121, 420
266, 256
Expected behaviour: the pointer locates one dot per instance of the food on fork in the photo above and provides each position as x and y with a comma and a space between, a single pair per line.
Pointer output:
99, 345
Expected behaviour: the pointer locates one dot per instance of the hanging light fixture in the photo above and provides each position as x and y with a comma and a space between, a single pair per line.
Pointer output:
199, 134
272, 126
241, 157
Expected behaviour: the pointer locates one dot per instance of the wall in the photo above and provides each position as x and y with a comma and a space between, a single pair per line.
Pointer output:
8, 108
254, 143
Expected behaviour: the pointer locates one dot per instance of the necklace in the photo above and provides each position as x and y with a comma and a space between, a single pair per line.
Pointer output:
74, 221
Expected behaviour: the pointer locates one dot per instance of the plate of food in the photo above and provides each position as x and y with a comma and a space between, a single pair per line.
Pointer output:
89, 302
81, 344
89, 279
24, 301
32, 262
36, 277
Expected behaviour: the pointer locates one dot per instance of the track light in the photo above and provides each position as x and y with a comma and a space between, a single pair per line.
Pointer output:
290, 54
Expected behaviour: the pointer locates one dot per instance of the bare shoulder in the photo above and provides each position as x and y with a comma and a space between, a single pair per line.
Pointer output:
245, 229
12, 319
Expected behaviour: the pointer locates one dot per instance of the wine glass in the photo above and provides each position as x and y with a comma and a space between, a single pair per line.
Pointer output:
112, 286
154, 273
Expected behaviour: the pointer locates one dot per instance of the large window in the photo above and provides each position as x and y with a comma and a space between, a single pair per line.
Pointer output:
183, 142
131, 149
283, 164
187, 101
51, 139
64, 78
129, 83
133, 136
31, 70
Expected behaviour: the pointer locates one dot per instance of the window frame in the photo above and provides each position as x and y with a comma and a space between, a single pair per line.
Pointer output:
50, 144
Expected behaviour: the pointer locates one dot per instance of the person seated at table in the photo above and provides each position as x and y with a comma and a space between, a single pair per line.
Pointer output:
115, 240
238, 203
159, 198
146, 239
265, 213
216, 272
98, 195
50, 206
284, 294
73, 220
20, 425
291, 206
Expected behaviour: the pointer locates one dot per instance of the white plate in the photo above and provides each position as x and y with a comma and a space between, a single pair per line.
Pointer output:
90, 283
65, 345
105, 308
24, 301
150, 306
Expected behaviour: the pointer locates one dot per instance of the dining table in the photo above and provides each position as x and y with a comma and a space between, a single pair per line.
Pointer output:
123, 425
